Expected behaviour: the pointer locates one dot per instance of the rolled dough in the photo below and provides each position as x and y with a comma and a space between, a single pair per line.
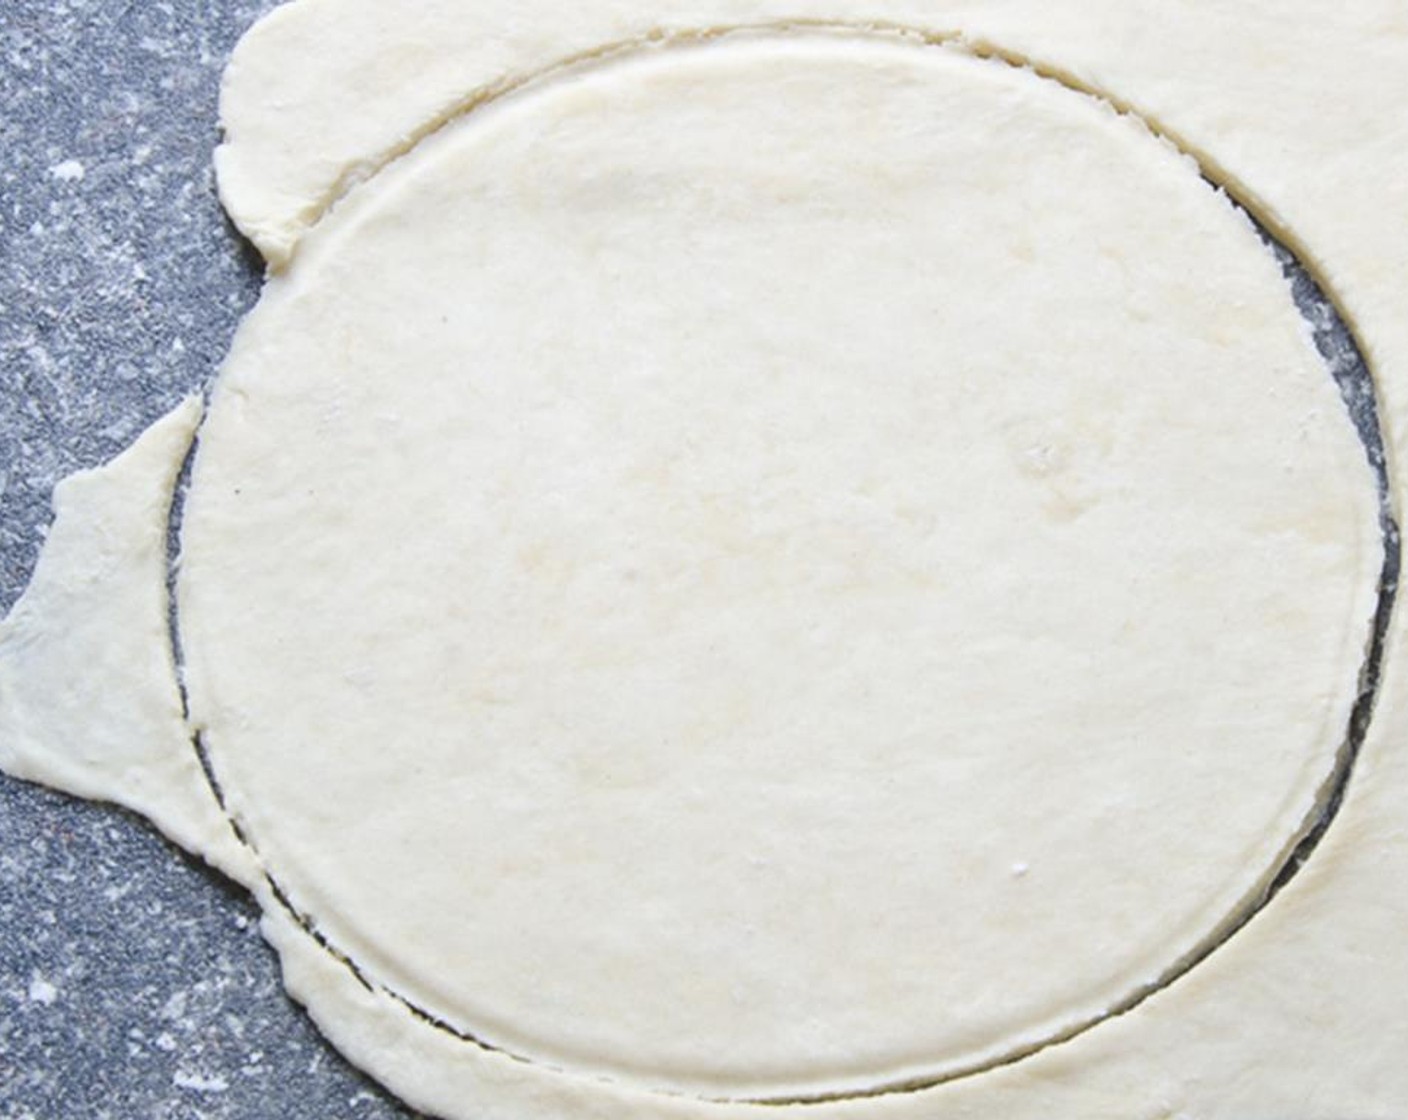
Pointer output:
791, 567
782, 567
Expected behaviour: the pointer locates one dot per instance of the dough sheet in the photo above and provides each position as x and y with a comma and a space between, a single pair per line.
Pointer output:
781, 557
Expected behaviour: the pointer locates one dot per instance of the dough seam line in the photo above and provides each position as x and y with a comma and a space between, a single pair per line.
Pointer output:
1335, 341
1340, 350
197, 734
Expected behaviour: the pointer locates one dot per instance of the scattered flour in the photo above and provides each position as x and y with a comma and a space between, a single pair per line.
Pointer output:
198, 1084
41, 991
70, 171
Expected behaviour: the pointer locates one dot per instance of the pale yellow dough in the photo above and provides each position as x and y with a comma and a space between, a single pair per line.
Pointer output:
788, 564
94, 618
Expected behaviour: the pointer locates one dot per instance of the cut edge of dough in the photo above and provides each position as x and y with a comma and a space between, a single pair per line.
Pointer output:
270, 206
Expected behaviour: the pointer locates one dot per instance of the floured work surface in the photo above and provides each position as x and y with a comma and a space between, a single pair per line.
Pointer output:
789, 565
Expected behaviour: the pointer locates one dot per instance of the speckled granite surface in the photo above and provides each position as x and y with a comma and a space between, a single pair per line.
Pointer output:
133, 982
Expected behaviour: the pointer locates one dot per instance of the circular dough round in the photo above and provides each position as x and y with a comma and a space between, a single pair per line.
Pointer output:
787, 566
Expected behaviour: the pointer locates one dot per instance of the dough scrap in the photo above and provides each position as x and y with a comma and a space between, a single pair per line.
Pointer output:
1291, 998
95, 614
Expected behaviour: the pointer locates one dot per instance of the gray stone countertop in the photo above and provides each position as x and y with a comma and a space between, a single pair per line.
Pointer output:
133, 981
